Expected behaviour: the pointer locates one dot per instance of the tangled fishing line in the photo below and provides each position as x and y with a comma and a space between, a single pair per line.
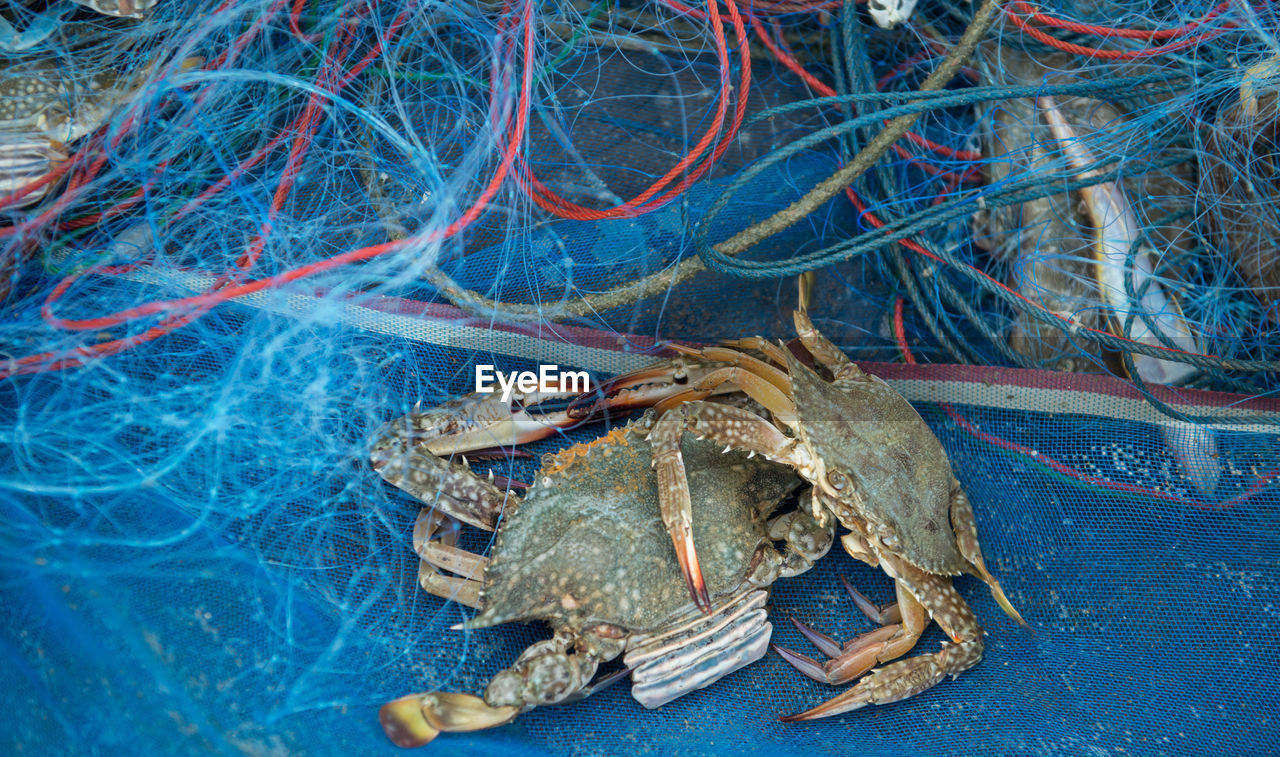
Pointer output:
237, 235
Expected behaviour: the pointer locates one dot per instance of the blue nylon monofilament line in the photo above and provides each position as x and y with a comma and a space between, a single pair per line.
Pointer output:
197, 558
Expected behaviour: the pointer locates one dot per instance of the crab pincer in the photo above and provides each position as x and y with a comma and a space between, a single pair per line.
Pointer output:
418, 718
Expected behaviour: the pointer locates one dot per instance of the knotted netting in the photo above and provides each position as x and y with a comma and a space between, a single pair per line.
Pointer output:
240, 236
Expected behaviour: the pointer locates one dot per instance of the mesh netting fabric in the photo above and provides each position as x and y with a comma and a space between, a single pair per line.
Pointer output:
300, 219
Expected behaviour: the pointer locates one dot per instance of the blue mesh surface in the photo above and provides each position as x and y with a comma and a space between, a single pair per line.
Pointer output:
284, 625
196, 557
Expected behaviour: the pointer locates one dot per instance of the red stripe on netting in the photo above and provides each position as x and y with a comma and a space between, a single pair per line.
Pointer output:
1102, 483
979, 375
900, 335
1084, 383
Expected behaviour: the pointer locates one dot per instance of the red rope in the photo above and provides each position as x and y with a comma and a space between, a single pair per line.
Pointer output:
1090, 52
646, 201
197, 305
1108, 31
788, 59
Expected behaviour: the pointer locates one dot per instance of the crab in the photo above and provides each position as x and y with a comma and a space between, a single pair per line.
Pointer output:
874, 467
42, 111
584, 551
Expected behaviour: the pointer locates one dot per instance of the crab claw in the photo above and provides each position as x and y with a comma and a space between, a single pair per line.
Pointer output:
631, 391
654, 386
405, 723
692, 569
846, 702
802, 663
481, 425
418, 718
463, 712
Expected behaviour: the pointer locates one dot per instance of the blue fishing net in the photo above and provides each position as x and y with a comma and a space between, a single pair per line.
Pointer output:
196, 556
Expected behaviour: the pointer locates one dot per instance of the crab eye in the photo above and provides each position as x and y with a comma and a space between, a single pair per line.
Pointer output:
838, 480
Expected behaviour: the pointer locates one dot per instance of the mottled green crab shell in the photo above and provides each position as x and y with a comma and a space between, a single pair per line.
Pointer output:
587, 545
27, 93
902, 476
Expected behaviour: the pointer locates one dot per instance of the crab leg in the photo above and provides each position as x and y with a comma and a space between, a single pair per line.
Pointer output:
675, 503
905, 678
418, 718
771, 350
758, 388
463, 590
713, 371
451, 486
880, 615
856, 657
818, 345
598, 685
966, 530
452, 559
444, 553
825, 644
736, 359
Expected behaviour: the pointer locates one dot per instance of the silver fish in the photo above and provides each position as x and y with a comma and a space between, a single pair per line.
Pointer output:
1116, 232
1049, 257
